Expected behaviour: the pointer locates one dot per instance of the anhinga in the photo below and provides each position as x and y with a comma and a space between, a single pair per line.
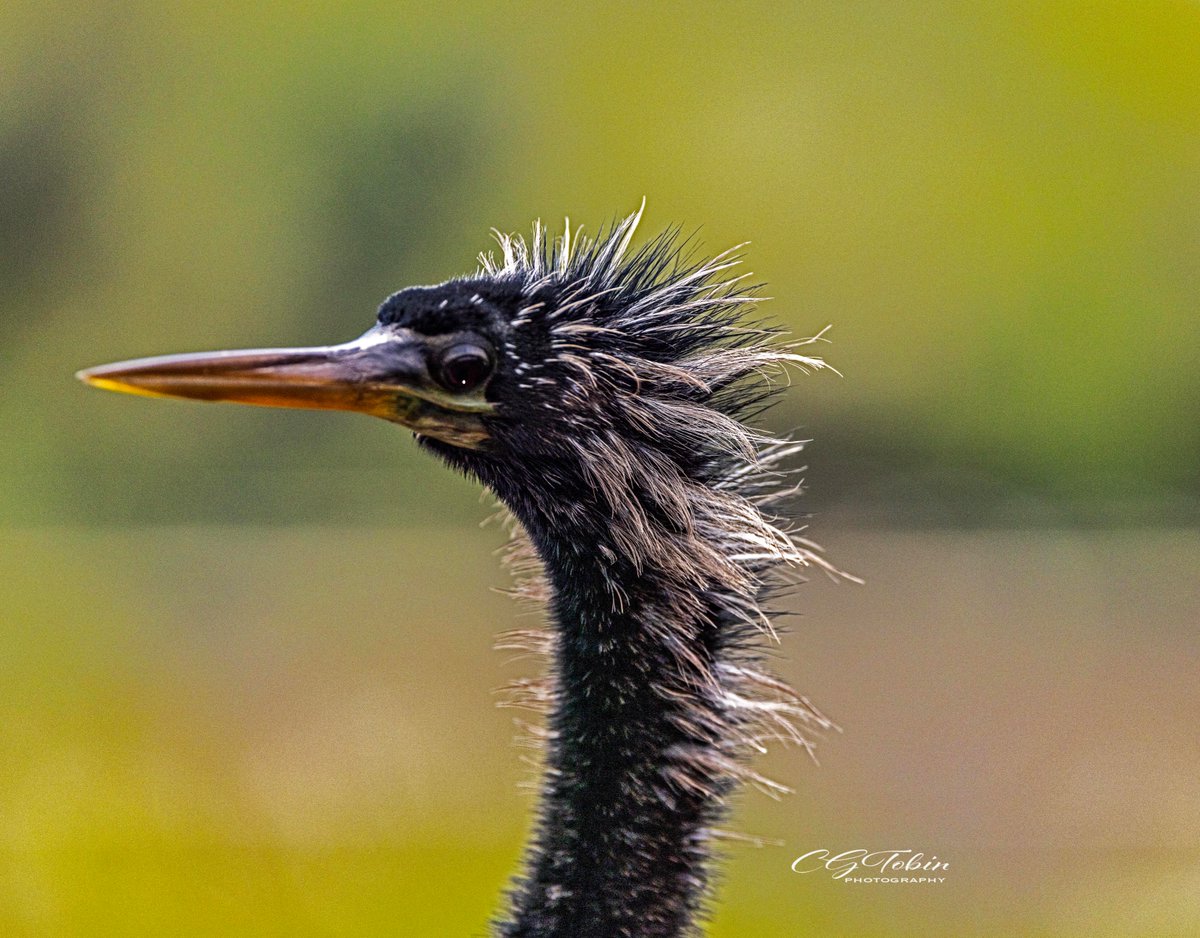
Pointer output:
603, 395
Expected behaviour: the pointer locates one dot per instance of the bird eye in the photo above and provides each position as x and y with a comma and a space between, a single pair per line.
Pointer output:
464, 367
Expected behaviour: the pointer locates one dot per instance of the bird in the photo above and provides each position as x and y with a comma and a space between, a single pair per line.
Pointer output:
610, 399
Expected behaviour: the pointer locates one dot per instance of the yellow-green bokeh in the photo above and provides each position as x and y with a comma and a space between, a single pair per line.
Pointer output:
244, 668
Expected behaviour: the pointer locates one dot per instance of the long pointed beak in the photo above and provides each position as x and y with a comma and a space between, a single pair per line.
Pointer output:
381, 373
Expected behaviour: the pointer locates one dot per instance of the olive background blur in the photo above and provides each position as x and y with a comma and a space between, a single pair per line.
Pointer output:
245, 665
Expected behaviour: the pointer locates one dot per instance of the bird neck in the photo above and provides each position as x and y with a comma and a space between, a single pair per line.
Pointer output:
634, 773
654, 569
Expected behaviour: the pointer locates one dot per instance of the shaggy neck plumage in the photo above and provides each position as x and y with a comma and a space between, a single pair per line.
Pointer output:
655, 694
621, 847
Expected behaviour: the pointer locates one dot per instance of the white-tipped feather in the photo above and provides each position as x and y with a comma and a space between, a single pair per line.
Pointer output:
718, 538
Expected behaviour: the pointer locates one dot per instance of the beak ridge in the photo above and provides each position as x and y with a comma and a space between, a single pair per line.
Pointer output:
382, 373
323, 378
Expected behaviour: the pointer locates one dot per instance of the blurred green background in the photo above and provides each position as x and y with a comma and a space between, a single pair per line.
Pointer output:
245, 676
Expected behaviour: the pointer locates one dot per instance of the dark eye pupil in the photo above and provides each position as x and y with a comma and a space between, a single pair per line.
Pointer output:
465, 367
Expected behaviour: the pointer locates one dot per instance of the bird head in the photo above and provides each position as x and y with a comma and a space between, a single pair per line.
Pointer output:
427, 364
572, 357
